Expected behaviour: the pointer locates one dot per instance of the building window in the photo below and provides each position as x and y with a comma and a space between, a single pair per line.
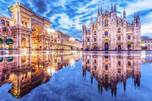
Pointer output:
88, 61
3, 22
7, 23
129, 46
5, 29
119, 63
95, 67
94, 32
95, 39
129, 37
25, 24
129, 64
106, 67
22, 22
106, 23
118, 30
88, 39
106, 57
119, 38
106, 33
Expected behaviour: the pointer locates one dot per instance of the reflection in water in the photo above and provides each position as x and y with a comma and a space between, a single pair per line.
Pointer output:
27, 71
109, 74
112, 69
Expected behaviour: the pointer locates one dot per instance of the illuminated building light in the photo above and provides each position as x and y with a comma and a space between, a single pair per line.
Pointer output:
39, 35
50, 70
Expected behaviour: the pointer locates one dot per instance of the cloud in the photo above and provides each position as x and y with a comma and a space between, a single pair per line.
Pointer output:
66, 24
146, 28
62, 3
139, 5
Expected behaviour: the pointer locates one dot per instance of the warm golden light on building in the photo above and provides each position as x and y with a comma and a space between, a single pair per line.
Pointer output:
26, 30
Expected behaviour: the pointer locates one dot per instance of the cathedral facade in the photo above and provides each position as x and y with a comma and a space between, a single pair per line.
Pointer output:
111, 32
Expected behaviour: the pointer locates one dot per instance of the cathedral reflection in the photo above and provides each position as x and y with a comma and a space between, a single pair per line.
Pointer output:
112, 69
27, 71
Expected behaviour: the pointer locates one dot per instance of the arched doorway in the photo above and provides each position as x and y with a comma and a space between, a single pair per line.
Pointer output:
119, 47
106, 46
87, 48
129, 46
37, 39
95, 48
23, 42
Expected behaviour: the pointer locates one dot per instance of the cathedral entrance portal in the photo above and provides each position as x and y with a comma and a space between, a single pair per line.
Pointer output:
106, 46
129, 46
95, 47
119, 47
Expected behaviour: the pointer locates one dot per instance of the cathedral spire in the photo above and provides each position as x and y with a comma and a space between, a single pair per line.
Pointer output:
124, 13
115, 8
111, 7
84, 27
101, 10
136, 19
98, 11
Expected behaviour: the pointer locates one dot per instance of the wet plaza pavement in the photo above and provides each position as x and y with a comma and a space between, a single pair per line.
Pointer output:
75, 76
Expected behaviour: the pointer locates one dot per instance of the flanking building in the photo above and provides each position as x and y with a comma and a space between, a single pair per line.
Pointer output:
62, 41
27, 30
111, 32
146, 43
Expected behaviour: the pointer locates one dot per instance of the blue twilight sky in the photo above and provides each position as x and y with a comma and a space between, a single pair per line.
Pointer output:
69, 15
